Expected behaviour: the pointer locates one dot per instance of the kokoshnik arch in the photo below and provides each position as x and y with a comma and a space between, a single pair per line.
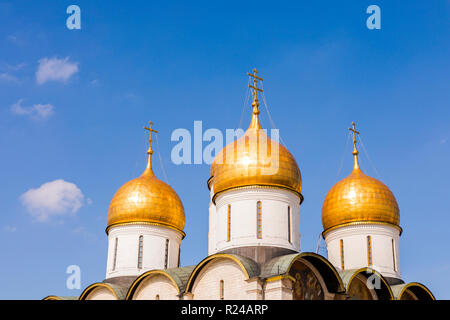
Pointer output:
254, 233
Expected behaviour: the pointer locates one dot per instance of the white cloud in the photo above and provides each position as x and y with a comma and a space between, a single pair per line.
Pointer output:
37, 111
54, 198
55, 69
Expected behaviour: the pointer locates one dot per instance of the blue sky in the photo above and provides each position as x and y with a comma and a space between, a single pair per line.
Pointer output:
74, 103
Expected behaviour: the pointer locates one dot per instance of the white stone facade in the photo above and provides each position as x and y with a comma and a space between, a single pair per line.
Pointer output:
101, 293
384, 242
156, 287
123, 260
280, 219
207, 285
279, 289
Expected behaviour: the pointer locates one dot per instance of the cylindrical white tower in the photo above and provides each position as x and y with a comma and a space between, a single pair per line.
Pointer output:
136, 248
354, 246
255, 190
361, 218
256, 216
145, 225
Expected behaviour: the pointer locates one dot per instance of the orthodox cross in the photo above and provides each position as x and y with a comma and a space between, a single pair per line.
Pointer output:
151, 130
255, 84
353, 130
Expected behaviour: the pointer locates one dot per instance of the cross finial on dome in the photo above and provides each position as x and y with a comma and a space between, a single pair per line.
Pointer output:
150, 150
255, 103
355, 151
255, 85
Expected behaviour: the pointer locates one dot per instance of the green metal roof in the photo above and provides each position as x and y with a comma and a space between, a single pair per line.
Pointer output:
346, 275
120, 291
250, 266
397, 289
180, 275
278, 265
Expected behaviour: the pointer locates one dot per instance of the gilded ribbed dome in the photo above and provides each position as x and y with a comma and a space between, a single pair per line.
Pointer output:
359, 198
147, 199
255, 160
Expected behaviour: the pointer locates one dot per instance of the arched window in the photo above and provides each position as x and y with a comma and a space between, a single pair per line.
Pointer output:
229, 223
369, 250
140, 251
289, 223
115, 254
258, 220
393, 255
221, 290
157, 297
166, 256
342, 255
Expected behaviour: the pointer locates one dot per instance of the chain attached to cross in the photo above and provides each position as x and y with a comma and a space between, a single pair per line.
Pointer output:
151, 130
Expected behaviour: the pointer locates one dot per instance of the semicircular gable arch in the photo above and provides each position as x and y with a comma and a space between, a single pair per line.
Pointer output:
383, 293
177, 276
52, 297
418, 289
115, 290
249, 267
282, 265
331, 277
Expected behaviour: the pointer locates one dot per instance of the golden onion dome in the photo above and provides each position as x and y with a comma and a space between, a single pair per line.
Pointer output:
147, 200
255, 160
359, 199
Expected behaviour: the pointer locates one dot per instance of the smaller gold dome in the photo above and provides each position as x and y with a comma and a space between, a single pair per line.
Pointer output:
359, 198
255, 160
147, 199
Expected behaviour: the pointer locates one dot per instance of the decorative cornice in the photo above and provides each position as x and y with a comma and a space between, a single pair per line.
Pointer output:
360, 223
259, 186
146, 223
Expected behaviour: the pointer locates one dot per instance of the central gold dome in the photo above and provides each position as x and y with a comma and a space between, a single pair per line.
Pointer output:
147, 200
358, 199
255, 160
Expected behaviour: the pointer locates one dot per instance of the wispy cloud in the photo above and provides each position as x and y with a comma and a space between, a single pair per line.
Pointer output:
9, 77
54, 198
12, 38
9, 229
19, 41
8, 70
54, 69
17, 66
37, 111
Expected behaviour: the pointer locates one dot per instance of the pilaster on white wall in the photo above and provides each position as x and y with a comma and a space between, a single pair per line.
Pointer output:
280, 289
243, 208
384, 242
123, 261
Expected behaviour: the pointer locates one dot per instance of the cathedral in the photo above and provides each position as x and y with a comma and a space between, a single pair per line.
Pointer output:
254, 234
